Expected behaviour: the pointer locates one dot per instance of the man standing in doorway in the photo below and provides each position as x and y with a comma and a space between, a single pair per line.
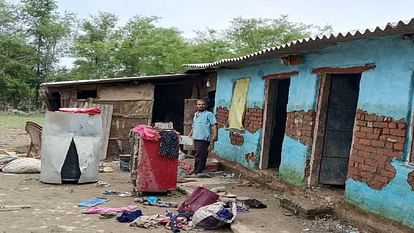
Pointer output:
204, 130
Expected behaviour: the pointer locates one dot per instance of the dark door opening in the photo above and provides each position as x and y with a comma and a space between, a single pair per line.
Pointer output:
169, 104
342, 105
280, 89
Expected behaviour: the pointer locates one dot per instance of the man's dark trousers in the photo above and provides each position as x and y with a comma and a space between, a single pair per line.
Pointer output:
201, 148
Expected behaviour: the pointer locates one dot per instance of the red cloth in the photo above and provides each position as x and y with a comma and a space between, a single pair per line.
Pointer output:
146, 132
90, 111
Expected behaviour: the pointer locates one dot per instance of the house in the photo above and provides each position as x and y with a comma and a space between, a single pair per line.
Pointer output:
129, 101
331, 110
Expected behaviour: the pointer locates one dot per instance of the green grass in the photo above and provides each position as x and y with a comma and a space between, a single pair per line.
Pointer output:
9, 121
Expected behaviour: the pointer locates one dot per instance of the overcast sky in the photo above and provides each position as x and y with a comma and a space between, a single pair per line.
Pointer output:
190, 15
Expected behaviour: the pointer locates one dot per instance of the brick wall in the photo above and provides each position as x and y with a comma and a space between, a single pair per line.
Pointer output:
236, 138
299, 126
253, 119
222, 114
411, 180
377, 140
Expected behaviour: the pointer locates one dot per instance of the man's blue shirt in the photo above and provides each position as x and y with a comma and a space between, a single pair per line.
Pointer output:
202, 123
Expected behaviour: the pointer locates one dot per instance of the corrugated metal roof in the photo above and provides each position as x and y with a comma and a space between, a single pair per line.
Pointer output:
115, 80
312, 43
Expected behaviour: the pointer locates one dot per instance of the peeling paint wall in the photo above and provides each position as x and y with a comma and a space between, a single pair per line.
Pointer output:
385, 91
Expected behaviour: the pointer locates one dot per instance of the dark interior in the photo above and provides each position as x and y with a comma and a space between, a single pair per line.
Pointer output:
281, 90
169, 104
342, 105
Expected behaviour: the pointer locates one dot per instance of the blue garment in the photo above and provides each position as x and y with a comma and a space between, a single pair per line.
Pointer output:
202, 123
129, 216
92, 202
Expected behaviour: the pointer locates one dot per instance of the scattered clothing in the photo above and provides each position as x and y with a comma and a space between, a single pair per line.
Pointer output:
129, 216
146, 132
169, 145
109, 210
215, 215
92, 202
188, 168
179, 221
155, 201
147, 221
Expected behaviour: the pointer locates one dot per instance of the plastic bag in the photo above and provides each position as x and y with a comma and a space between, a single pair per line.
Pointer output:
215, 215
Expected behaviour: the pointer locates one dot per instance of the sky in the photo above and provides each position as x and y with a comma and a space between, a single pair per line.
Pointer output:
190, 15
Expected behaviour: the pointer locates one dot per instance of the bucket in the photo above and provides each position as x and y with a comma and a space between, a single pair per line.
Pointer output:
124, 162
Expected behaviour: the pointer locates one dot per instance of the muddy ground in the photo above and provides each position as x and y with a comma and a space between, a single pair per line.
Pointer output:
54, 208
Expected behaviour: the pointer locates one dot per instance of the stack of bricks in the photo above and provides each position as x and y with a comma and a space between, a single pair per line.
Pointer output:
253, 119
236, 138
222, 116
377, 140
299, 126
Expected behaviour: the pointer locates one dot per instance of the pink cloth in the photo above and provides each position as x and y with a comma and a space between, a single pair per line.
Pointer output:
146, 132
109, 210
90, 111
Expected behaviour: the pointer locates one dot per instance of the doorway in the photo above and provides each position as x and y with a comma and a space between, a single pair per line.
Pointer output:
280, 89
339, 124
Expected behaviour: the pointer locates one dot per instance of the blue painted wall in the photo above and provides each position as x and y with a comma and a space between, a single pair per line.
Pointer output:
386, 90
395, 201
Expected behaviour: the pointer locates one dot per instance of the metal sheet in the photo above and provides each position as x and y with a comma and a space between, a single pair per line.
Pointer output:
312, 43
59, 130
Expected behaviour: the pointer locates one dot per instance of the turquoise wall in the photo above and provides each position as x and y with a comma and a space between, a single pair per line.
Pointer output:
386, 90
395, 201
294, 156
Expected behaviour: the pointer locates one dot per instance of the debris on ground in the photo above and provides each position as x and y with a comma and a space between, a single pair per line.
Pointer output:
93, 202
13, 207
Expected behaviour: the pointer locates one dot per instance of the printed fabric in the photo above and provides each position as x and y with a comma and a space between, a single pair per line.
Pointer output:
169, 145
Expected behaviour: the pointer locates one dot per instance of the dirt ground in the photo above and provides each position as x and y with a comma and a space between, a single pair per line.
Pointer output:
54, 208
14, 138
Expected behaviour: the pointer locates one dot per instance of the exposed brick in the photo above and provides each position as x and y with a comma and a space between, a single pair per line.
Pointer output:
367, 129
381, 124
300, 125
392, 125
410, 179
377, 143
222, 116
397, 132
236, 138
253, 119
398, 146
374, 148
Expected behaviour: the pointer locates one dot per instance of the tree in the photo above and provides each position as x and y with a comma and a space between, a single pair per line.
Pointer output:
17, 60
250, 35
96, 46
209, 45
47, 30
148, 49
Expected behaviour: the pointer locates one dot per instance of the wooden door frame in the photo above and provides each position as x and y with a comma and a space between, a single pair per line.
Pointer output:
267, 125
319, 130
270, 93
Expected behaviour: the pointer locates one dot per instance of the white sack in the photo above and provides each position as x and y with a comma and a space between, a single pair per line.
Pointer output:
23, 165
